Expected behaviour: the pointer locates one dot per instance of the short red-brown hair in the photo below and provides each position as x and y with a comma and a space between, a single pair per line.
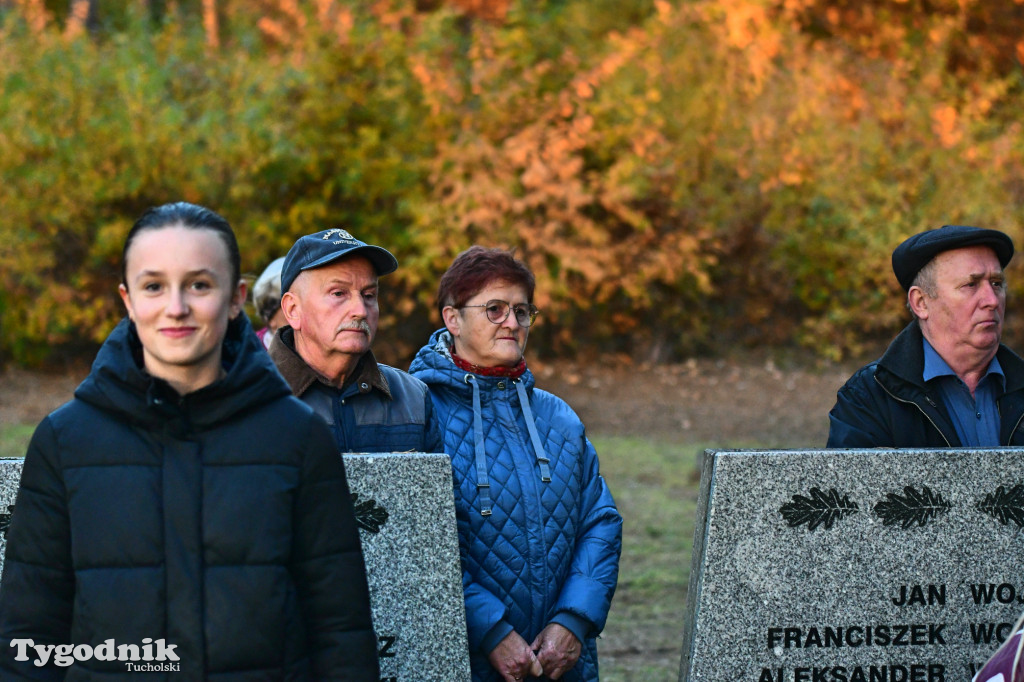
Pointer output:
475, 268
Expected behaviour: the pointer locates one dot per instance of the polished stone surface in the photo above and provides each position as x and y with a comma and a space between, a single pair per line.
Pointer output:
10, 474
412, 560
853, 565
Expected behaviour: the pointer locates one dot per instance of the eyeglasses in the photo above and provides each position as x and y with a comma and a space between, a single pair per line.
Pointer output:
497, 312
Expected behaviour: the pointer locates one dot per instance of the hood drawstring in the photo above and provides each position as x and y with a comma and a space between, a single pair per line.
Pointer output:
483, 485
538, 447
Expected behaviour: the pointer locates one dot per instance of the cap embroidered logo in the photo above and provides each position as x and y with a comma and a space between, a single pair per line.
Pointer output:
340, 235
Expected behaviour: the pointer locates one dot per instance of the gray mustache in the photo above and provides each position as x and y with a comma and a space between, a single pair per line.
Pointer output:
360, 325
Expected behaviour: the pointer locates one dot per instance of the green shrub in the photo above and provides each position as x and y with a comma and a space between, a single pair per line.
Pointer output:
682, 176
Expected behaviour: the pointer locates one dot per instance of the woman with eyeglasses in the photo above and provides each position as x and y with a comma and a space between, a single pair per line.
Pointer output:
539, 533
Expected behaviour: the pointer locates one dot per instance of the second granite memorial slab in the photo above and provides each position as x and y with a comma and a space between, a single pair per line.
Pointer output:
406, 512
854, 566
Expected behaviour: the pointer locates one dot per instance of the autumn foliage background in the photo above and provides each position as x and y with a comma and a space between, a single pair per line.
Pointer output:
683, 177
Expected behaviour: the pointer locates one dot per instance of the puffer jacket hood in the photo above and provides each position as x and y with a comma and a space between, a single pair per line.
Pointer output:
539, 534
444, 371
219, 522
118, 384
434, 366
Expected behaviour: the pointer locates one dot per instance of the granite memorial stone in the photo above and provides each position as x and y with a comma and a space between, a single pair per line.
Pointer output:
10, 475
406, 512
406, 515
854, 565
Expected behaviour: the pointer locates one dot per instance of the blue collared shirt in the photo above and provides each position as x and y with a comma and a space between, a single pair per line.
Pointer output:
975, 418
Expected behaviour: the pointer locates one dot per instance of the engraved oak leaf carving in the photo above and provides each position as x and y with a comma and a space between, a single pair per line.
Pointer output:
1005, 505
820, 509
914, 506
370, 516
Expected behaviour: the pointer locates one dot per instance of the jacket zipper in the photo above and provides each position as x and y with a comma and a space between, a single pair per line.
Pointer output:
505, 396
1009, 438
921, 409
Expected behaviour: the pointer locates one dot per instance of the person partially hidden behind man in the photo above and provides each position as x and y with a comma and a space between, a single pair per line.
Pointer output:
329, 280
945, 380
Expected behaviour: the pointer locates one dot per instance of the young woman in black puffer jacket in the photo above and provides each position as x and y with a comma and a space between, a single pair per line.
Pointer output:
184, 499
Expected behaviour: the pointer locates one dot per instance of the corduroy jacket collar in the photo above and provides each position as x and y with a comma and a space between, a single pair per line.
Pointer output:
300, 376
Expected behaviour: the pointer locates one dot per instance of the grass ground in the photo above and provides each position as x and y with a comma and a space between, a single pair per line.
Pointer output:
14, 439
655, 488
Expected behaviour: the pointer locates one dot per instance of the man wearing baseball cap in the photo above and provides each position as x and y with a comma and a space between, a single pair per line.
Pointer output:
945, 380
329, 300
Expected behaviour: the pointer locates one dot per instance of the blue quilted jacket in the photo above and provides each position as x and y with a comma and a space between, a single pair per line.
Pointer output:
539, 533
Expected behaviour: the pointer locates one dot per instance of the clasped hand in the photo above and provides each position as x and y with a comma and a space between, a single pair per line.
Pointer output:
552, 653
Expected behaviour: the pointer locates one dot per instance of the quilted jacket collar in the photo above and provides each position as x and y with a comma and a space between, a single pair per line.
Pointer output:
433, 365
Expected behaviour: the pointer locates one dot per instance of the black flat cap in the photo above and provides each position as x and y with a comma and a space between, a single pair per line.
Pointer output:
913, 254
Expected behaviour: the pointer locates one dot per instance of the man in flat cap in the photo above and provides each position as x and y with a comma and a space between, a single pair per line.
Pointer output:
329, 300
945, 380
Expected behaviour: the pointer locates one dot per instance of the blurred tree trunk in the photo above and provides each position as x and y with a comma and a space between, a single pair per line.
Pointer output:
81, 16
156, 9
211, 24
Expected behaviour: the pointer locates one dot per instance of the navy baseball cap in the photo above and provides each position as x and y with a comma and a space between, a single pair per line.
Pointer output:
913, 254
324, 247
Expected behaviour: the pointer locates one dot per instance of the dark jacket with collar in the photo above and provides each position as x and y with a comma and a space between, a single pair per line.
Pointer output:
220, 522
888, 404
382, 409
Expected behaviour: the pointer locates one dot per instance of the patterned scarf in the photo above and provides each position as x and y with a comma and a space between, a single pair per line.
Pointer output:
510, 372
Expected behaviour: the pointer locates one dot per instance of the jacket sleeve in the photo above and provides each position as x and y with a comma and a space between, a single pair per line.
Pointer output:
37, 593
434, 437
485, 616
857, 420
588, 589
485, 612
328, 567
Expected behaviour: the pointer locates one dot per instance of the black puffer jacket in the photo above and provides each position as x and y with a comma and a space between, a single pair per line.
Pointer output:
220, 522
888, 404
